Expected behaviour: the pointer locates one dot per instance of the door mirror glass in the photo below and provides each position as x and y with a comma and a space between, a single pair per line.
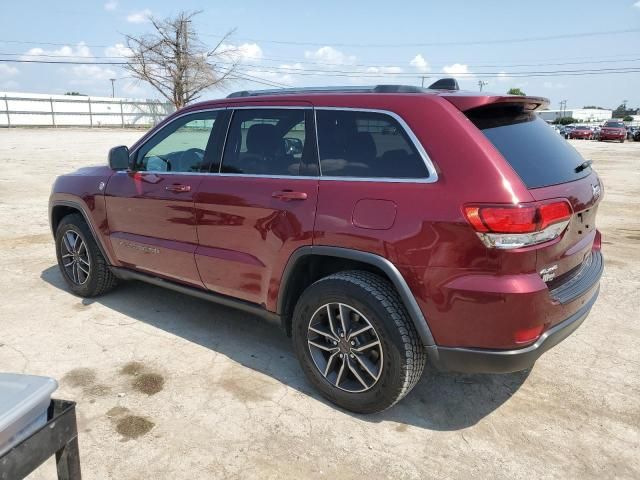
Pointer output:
293, 146
119, 158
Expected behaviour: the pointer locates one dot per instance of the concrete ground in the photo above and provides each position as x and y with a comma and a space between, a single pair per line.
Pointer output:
171, 387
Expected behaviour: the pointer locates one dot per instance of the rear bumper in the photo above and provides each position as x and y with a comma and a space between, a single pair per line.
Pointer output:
475, 360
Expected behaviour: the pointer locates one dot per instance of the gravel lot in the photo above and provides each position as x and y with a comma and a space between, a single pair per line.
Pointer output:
171, 387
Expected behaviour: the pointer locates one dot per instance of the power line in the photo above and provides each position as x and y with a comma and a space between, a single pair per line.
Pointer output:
440, 44
365, 74
36, 56
378, 45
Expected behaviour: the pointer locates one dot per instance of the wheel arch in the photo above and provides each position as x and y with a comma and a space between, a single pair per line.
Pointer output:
310, 263
61, 208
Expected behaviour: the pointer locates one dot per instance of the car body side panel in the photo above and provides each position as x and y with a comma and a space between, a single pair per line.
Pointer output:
247, 236
153, 229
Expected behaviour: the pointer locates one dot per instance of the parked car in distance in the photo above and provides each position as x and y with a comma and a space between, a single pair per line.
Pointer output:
613, 130
406, 225
631, 130
636, 134
567, 130
581, 132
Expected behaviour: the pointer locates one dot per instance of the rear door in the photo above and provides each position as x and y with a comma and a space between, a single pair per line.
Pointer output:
261, 206
150, 209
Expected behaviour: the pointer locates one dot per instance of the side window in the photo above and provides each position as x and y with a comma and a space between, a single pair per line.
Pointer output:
180, 147
366, 145
268, 142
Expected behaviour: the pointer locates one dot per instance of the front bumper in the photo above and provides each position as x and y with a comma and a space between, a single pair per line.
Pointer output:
476, 360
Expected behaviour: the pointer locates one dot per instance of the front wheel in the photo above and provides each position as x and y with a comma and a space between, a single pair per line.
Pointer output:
81, 263
356, 342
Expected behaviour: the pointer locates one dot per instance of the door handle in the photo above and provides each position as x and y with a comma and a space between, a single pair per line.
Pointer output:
178, 188
288, 195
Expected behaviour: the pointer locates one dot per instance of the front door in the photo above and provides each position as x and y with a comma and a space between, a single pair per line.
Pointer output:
150, 209
261, 206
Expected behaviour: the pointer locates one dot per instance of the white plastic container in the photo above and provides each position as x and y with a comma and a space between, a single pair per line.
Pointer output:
24, 400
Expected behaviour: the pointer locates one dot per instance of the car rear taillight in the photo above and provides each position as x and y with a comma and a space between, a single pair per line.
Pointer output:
516, 226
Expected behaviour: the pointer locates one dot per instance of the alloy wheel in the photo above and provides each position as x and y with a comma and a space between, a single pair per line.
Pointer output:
75, 257
345, 347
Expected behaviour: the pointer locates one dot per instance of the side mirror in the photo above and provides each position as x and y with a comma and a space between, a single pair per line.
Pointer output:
119, 158
293, 146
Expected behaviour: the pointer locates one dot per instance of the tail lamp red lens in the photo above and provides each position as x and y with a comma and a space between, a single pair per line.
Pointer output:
517, 219
514, 226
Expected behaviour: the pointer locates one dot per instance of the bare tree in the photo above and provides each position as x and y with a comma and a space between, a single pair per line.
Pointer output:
176, 63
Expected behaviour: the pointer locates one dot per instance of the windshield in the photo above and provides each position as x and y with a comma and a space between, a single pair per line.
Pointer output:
614, 124
538, 155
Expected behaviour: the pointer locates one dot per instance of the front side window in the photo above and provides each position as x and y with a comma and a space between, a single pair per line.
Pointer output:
180, 147
366, 145
268, 142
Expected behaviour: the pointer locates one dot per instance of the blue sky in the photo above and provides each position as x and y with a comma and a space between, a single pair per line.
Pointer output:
343, 43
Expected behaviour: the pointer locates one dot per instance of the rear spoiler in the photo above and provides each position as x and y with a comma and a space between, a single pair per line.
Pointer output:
466, 101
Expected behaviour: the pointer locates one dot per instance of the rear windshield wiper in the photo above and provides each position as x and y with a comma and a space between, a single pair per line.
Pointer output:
583, 166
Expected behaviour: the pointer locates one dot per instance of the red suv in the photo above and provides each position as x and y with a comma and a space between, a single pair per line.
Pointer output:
381, 227
613, 130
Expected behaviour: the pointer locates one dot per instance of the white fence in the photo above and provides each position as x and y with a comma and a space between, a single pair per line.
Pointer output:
28, 109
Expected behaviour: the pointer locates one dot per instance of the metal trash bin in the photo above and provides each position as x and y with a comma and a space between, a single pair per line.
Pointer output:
33, 427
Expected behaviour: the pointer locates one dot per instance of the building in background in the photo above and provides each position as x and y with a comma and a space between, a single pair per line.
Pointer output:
586, 115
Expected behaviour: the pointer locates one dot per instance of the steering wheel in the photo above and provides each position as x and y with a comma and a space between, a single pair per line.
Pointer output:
197, 154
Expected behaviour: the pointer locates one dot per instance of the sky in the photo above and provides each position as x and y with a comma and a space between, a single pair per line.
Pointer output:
305, 43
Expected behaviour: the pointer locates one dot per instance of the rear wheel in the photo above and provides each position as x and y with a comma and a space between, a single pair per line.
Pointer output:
81, 263
356, 343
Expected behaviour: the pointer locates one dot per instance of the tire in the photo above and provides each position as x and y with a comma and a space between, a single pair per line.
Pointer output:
398, 359
99, 278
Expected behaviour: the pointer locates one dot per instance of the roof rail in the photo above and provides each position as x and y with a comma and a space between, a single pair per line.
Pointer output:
442, 84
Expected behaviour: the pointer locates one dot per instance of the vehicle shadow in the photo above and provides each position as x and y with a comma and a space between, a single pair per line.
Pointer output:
440, 401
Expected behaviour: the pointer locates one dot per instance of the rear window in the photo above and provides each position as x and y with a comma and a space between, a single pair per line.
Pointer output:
538, 155
614, 124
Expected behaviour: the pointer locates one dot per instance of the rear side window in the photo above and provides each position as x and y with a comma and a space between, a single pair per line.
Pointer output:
538, 155
268, 142
366, 145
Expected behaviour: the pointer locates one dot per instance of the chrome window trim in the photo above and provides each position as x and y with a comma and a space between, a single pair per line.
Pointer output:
432, 178
433, 174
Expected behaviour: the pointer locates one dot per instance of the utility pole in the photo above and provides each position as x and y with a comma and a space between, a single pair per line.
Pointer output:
563, 108
113, 87
423, 77
482, 83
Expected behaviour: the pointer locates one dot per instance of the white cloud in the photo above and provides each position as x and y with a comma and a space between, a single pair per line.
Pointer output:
117, 50
70, 52
554, 85
384, 70
637, 4
457, 70
503, 77
91, 73
241, 53
420, 64
9, 85
139, 17
330, 56
111, 5
8, 70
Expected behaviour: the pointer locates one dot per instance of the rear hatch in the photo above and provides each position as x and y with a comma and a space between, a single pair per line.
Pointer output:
552, 170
